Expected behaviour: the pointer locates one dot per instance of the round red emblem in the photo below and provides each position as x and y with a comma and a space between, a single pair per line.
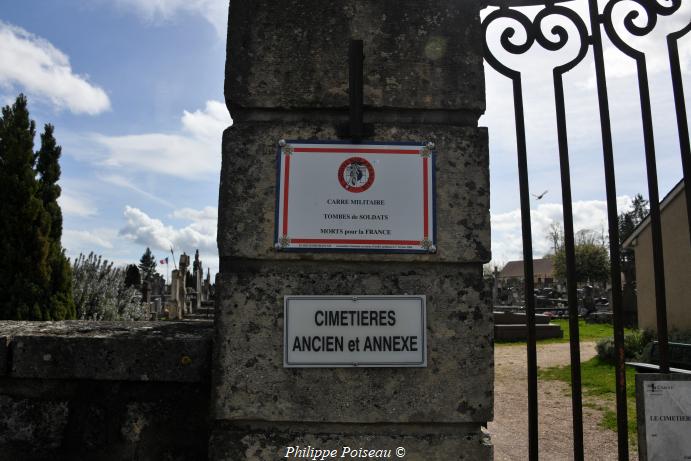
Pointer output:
356, 174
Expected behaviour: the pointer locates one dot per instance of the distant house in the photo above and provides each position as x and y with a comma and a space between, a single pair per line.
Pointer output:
677, 258
543, 272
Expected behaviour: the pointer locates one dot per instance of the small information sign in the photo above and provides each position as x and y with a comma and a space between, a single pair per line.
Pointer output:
667, 406
351, 197
355, 331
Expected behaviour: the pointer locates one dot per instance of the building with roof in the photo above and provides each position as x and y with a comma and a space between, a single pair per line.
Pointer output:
543, 272
676, 250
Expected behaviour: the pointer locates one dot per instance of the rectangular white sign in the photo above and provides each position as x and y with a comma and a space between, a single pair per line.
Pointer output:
350, 197
354, 331
667, 420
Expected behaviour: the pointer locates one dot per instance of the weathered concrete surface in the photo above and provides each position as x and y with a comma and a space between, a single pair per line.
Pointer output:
104, 420
4, 355
420, 443
247, 200
294, 54
110, 399
250, 382
27, 422
131, 351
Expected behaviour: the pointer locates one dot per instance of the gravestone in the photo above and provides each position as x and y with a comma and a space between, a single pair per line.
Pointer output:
206, 289
174, 310
197, 274
181, 293
178, 289
287, 84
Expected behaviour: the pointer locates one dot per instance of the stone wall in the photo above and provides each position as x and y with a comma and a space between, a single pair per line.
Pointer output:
287, 78
81, 390
293, 55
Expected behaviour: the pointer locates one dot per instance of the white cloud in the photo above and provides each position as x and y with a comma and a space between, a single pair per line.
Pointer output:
81, 241
42, 71
213, 11
207, 123
506, 227
76, 205
147, 231
192, 154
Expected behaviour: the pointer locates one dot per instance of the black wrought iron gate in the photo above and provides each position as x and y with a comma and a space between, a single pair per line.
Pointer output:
638, 18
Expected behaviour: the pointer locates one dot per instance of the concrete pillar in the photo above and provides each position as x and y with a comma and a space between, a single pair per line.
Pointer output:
157, 309
198, 287
181, 294
174, 311
287, 78
206, 289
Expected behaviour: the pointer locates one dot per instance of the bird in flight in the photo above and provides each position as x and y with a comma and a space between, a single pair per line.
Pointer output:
538, 197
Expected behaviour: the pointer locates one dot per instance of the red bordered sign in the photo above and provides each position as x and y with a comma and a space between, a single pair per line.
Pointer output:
355, 197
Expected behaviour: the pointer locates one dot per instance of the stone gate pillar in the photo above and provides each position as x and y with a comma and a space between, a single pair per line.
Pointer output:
287, 78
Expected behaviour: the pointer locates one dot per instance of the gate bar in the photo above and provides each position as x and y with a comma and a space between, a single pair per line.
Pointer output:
651, 171
567, 211
655, 220
613, 228
527, 238
570, 249
529, 285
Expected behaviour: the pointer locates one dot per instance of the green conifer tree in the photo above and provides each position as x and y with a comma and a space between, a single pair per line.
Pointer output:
132, 277
147, 265
25, 225
59, 304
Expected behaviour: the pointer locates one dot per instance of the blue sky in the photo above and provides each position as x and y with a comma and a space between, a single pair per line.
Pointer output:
135, 90
135, 93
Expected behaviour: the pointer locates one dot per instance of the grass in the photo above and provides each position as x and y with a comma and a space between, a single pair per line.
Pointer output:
598, 384
586, 332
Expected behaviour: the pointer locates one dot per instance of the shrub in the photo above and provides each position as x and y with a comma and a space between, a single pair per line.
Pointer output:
634, 343
100, 293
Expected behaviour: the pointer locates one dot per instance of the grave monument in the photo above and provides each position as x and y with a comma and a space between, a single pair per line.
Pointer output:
351, 311
197, 276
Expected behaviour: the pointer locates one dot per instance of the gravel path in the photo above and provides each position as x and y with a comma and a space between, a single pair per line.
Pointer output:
509, 429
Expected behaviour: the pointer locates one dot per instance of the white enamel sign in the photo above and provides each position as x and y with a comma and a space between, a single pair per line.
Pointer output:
350, 197
354, 331
667, 420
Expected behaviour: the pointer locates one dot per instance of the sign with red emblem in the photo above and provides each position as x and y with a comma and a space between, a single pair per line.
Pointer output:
355, 197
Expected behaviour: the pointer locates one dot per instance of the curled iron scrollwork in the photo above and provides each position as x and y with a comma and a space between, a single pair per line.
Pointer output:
639, 19
568, 26
513, 19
